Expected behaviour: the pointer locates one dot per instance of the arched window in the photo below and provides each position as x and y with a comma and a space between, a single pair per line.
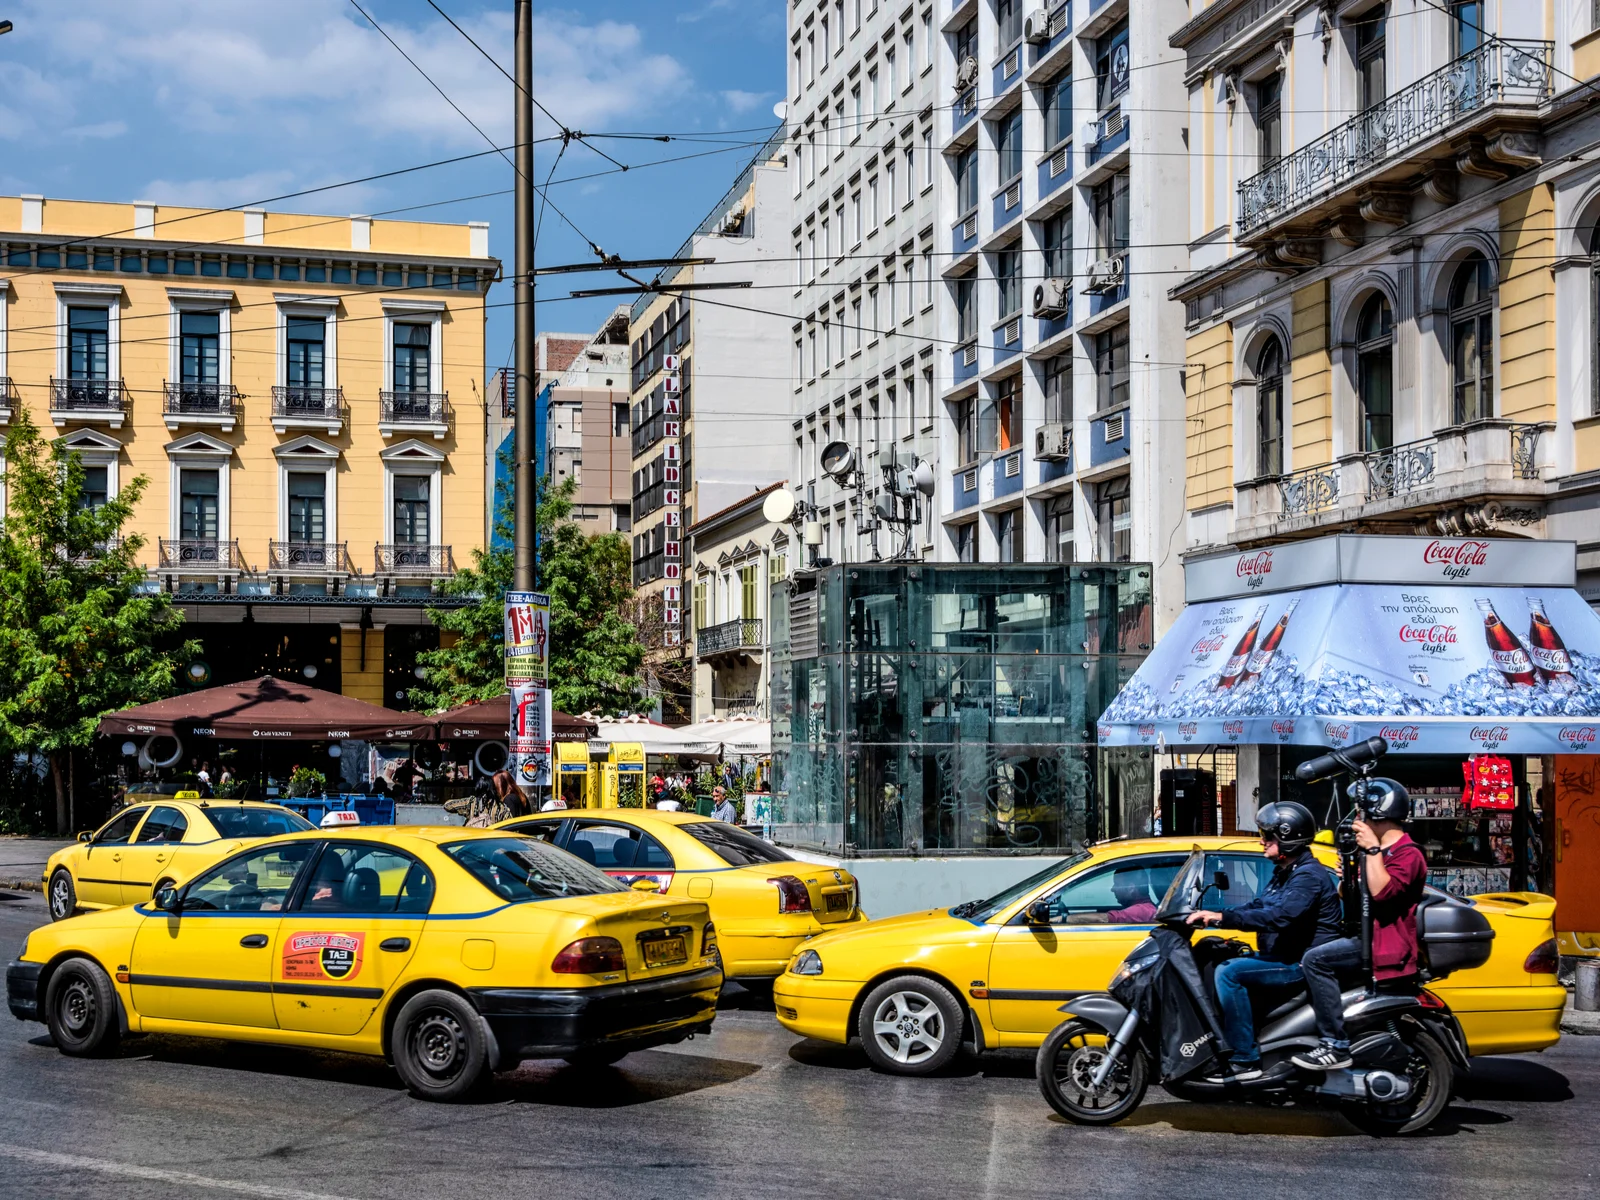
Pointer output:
1472, 340
1269, 409
1375, 373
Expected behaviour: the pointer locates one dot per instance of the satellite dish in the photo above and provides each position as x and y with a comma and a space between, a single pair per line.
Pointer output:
838, 460
923, 478
778, 507
781, 110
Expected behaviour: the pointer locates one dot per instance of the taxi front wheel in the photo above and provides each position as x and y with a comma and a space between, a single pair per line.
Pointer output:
80, 1008
441, 1048
63, 895
910, 1025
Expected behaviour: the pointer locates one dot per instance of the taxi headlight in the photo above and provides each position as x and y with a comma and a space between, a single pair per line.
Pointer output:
807, 962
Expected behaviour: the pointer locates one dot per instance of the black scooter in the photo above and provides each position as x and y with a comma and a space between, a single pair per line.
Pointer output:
1406, 1044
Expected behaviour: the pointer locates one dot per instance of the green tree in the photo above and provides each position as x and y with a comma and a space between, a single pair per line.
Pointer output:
79, 635
595, 651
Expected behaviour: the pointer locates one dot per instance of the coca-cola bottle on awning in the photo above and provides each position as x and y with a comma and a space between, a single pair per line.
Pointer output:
1548, 651
1506, 650
1258, 662
1241, 653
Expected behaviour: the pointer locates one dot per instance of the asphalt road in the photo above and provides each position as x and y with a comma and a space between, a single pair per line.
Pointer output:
749, 1111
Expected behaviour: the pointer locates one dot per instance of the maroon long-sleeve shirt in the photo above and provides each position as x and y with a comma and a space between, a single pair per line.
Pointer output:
1394, 911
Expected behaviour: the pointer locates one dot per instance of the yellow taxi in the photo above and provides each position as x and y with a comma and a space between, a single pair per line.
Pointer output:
147, 843
451, 952
995, 972
765, 903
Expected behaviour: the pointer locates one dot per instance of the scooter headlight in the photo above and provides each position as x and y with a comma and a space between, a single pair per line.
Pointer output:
1135, 963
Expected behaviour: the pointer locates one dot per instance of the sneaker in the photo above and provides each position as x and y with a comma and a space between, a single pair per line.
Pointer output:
1237, 1073
1323, 1058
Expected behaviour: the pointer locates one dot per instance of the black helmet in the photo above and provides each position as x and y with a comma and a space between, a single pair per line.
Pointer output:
1385, 800
1289, 824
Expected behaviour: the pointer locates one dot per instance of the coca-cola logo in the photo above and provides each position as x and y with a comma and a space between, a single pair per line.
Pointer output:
1489, 736
1104, 731
1208, 645
1399, 735
1146, 732
1576, 735
1429, 635
1254, 568
1283, 728
1337, 735
1233, 729
1188, 729
1456, 558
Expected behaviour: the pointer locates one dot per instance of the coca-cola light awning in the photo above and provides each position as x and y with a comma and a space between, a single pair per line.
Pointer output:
1500, 654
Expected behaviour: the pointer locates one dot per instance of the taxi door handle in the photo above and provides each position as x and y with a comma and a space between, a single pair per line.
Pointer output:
396, 944
253, 941
116, 857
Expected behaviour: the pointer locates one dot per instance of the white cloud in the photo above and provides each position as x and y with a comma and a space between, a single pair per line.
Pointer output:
742, 102
105, 129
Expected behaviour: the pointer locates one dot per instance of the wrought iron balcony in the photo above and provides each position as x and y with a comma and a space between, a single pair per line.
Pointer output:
1309, 490
1497, 73
310, 405
200, 555
187, 399
728, 636
414, 408
309, 558
8, 394
1397, 470
88, 396
415, 560
1525, 450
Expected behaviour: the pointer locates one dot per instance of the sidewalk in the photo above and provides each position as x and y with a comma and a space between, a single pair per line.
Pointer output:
1579, 1024
22, 860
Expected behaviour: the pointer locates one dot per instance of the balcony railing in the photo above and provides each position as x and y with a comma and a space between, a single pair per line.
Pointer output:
1309, 490
413, 408
1498, 72
200, 554
1397, 470
415, 560
201, 399
965, 107
309, 558
317, 404
8, 392
647, 501
730, 635
88, 395
1525, 451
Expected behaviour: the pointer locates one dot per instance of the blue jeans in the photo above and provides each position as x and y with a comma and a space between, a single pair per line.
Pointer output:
1323, 966
1234, 980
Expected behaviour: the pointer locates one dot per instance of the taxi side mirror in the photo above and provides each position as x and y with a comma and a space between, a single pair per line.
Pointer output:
645, 885
1038, 913
1220, 881
167, 899
86, 837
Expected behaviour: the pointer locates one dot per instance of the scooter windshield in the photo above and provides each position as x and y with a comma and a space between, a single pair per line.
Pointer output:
1186, 885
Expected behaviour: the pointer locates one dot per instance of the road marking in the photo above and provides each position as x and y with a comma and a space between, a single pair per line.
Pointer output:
77, 1162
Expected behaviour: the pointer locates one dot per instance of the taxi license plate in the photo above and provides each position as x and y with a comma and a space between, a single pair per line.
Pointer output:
838, 901
665, 952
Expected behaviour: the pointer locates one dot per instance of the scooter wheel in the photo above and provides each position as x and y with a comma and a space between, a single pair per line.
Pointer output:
1432, 1079
1066, 1065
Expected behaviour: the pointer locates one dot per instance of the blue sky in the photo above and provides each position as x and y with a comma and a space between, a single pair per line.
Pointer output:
229, 102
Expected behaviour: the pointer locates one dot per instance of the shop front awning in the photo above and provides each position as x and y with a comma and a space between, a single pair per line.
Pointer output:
266, 709
1440, 646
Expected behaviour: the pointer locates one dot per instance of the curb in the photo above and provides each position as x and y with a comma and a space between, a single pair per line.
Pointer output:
22, 885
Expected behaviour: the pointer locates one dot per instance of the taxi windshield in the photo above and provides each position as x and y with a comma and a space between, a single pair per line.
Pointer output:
519, 868
982, 910
256, 822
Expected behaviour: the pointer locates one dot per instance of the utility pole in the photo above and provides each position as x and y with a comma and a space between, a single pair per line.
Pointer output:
524, 459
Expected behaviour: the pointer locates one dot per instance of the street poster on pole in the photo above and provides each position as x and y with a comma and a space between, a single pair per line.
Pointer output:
530, 735
527, 638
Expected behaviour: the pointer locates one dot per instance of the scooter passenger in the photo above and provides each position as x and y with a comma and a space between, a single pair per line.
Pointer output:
1396, 872
1298, 911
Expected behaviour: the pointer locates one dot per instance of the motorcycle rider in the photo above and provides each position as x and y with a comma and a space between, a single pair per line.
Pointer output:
1298, 911
1396, 872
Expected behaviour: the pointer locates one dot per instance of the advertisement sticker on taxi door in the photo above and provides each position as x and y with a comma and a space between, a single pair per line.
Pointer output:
323, 955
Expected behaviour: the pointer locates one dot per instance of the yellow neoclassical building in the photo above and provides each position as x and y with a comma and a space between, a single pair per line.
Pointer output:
303, 394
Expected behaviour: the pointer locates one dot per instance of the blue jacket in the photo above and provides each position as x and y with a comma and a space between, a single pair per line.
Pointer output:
1300, 909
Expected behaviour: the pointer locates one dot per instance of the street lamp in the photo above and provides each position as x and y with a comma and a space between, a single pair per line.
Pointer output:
5, 26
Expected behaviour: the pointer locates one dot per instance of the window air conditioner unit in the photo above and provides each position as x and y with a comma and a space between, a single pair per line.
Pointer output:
1052, 442
1051, 298
1107, 274
966, 73
1036, 27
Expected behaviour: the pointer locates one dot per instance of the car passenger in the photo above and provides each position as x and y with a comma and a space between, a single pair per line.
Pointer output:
1299, 910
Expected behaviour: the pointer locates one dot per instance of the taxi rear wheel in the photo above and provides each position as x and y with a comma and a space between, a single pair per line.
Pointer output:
81, 1009
910, 1025
63, 895
441, 1049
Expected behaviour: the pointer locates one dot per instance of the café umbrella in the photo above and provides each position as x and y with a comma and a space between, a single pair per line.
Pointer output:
263, 710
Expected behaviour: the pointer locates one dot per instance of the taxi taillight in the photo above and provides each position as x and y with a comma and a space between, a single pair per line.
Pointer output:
1543, 959
590, 956
792, 894
708, 940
